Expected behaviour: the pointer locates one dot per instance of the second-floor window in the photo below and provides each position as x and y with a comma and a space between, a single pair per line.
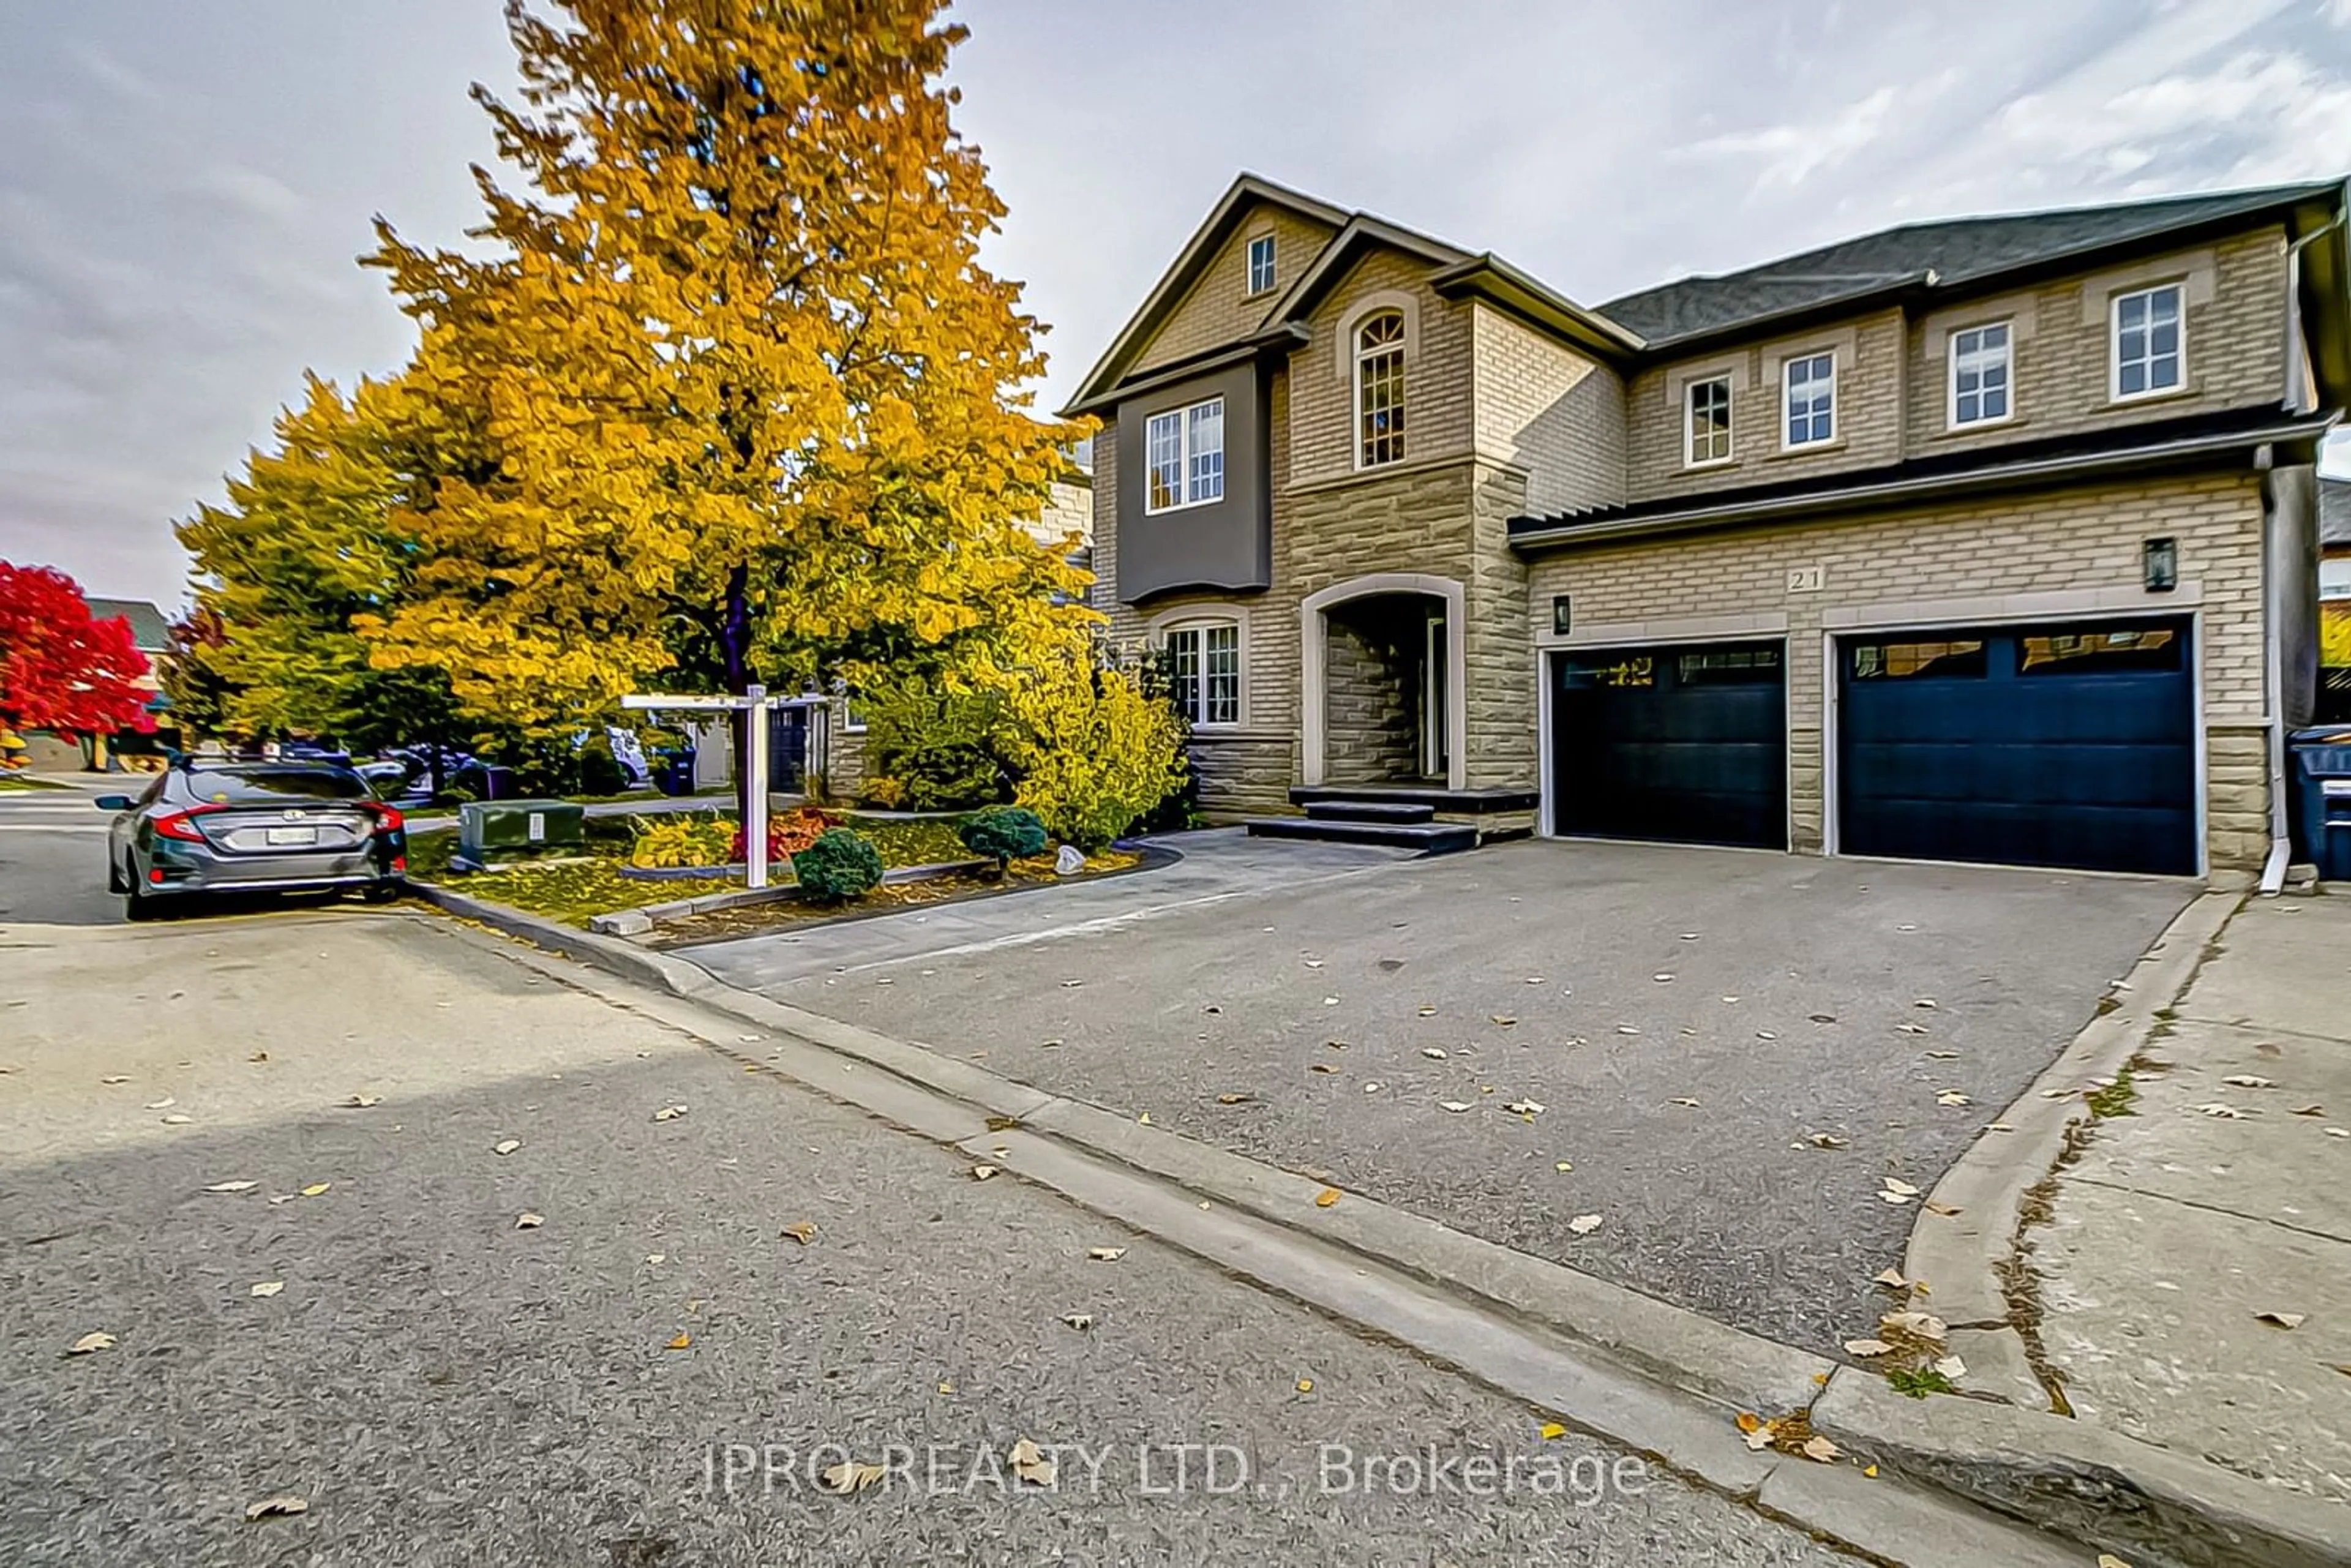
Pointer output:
1379, 390
1204, 672
1260, 264
1811, 383
1185, 457
1979, 375
1709, 422
2148, 329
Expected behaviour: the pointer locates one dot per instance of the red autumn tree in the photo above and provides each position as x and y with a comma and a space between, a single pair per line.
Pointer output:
59, 669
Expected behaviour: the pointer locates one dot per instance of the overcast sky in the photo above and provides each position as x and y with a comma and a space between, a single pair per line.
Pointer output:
185, 187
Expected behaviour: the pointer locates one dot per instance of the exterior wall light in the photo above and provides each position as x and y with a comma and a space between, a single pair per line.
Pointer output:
2160, 558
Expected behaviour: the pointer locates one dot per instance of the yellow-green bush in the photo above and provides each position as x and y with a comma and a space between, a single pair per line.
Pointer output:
668, 843
1095, 751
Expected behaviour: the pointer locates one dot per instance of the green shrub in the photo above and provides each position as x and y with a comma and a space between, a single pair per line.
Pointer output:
1003, 833
1095, 751
928, 749
677, 840
841, 864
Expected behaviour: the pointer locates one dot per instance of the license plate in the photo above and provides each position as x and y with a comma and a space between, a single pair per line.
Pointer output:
293, 835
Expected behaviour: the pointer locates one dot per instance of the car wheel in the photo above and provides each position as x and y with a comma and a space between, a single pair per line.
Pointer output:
382, 892
137, 905
115, 880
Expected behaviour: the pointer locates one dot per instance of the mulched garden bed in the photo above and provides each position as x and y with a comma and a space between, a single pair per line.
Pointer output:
752, 920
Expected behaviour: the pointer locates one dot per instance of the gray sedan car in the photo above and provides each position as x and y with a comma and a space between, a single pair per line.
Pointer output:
252, 827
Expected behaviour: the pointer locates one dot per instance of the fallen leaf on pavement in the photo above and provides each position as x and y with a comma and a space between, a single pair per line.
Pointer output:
1750, 1422
849, 1476
1106, 1254
1326, 1197
1371, 1088
804, 1232
2310, 1110
1144, 1120
2249, 1081
1911, 1028
2224, 1113
362, 1102
1825, 1140
1823, 1017
1952, 1097
1313, 963
1550, 1431
165, 1103
1071, 985
1235, 1099
981, 1173
1662, 978
1433, 1052
1943, 1055
117, 1078
1945, 1209
1998, 1127
1535, 980
1626, 1028
1525, 1107
1765, 1034
1897, 1199
263, 1056
177, 1120
1684, 1099
268, 1287
1584, 1224
1502, 1020
656, 1258
2338, 1132
274, 1507
1330, 1001
2282, 1320
1891, 1278
1429, 1012
2108, 1560
1457, 1106
1031, 1465
1564, 1166
1896, 1185
1081, 1321
669, 1112
530, 1221
1917, 1325
1927, 1002
1322, 1066
90, 1342
233, 1186
1868, 1347
683, 1342
1951, 1366
506, 1147
1822, 1450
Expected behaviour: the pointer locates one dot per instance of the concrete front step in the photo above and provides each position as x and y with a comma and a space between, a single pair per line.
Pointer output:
1370, 811
1428, 838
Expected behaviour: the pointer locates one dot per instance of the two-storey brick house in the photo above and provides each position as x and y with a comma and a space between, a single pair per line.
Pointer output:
1991, 539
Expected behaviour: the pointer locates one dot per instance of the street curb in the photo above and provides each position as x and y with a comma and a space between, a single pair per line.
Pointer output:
2101, 1488
2093, 1483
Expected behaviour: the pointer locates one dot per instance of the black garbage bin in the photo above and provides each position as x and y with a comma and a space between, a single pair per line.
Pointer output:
673, 775
2322, 799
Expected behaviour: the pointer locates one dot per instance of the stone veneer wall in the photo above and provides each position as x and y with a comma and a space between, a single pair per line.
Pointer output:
1372, 677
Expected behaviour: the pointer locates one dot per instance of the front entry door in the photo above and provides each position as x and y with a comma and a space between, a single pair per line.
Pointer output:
1434, 716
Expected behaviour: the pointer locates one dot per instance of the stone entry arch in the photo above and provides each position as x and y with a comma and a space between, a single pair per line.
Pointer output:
1444, 596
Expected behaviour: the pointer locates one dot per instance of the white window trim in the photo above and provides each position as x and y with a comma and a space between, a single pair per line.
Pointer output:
1248, 269
1690, 459
1402, 348
1183, 417
1197, 618
1952, 419
2115, 393
1837, 413
850, 723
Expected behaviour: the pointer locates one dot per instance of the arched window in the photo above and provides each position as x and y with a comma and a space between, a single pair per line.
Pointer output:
1379, 390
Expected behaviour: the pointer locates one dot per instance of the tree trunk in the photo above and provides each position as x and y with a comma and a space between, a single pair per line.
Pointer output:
735, 655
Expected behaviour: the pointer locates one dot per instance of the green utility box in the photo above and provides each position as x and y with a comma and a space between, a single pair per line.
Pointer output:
492, 832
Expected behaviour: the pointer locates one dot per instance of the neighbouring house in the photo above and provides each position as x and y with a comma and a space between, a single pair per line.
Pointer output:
2335, 600
1989, 540
150, 631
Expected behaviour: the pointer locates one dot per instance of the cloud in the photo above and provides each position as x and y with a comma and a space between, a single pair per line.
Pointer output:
2260, 116
1790, 154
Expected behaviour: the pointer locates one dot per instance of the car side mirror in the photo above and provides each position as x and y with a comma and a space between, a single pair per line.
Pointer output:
113, 802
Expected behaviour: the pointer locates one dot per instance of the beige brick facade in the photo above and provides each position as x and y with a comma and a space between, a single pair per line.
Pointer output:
2006, 558
1506, 419
1220, 310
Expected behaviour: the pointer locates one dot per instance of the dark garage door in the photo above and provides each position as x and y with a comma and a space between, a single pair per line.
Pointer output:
2059, 745
1685, 743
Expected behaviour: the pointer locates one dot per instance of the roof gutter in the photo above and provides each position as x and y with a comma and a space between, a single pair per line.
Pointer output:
1696, 519
1284, 338
1491, 278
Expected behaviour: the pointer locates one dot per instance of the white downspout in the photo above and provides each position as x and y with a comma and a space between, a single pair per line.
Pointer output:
2281, 854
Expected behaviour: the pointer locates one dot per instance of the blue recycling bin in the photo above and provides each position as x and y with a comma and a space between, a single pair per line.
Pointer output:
673, 774
2322, 799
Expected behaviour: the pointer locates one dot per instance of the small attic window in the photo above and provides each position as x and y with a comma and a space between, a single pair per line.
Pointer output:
1260, 265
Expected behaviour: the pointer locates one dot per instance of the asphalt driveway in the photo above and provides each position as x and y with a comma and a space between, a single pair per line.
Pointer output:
1687, 1021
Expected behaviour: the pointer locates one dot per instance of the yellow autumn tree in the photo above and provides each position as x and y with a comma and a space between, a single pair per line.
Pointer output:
753, 392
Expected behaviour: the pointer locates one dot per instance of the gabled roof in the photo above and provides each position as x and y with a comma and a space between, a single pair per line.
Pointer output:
1362, 232
1245, 192
1951, 254
149, 631
2335, 511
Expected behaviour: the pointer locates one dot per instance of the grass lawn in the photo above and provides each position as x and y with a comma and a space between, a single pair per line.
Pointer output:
574, 893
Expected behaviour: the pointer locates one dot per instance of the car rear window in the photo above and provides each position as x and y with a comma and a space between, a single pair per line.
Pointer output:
269, 785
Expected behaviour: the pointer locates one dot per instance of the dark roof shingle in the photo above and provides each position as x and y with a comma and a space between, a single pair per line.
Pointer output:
149, 630
1957, 251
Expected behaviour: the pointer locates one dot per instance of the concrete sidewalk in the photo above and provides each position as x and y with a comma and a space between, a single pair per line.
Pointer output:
2219, 1193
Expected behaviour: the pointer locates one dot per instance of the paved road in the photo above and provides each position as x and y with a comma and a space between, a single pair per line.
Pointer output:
443, 1388
1685, 1019
53, 853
